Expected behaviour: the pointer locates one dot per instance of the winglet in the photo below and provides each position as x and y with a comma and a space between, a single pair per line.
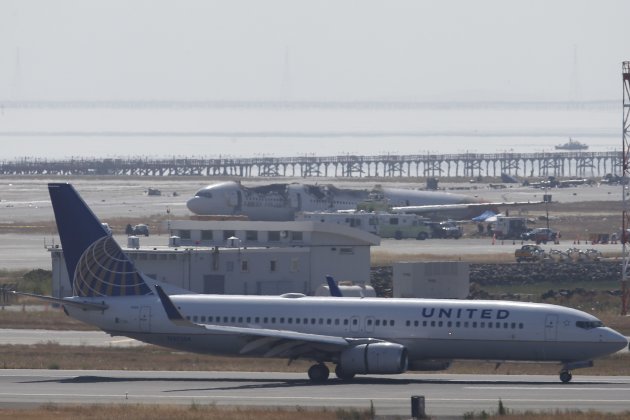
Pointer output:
171, 311
332, 287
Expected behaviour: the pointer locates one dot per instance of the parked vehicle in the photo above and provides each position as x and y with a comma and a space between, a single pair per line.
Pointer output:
509, 227
447, 229
529, 253
141, 230
540, 235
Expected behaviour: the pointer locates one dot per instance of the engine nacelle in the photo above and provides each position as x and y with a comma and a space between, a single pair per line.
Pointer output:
376, 358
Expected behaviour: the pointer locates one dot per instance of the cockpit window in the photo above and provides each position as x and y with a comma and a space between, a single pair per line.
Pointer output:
204, 193
587, 325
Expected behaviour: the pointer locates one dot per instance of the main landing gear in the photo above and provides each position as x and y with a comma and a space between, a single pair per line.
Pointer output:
318, 373
565, 376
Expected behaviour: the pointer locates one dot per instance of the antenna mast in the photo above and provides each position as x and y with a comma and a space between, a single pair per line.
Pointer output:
625, 237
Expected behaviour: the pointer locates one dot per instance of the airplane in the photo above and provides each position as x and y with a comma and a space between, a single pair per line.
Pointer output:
359, 336
280, 202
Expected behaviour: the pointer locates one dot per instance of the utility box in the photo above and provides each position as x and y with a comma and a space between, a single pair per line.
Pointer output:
433, 280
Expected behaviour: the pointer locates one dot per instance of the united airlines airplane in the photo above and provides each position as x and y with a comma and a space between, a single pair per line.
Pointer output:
358, 336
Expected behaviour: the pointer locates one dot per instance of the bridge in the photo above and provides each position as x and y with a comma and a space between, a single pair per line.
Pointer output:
468, 165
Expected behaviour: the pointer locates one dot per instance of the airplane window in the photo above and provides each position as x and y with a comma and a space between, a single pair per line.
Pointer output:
336, 321
408, 323
321, 321
482, 325
377, 322
465, 324
194, 318
281, 320
204, 193
424, 323
384, 323
329, 321
188, 317
290, 320
297, 320
490, 324
449, 324
306, 321
440, 324
209, 319
391, 323
257, 320
513, 325
587, 325
355, 321
520, 325
505, 325
345, 322
203, 318
499, 325
273, 320
457, 324
415, 323
265, 320
240, 319
233, 319
313, 321
474, 324
433, 323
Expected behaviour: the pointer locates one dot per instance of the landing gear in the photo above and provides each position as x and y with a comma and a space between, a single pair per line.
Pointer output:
318, 373
343, 375
565, 376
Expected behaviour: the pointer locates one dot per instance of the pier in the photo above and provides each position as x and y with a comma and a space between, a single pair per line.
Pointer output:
468, 165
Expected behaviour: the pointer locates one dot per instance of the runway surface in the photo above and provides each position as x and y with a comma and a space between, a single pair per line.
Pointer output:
446, 395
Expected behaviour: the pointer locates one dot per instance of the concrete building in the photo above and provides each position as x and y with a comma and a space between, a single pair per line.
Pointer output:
432, 280
243, 257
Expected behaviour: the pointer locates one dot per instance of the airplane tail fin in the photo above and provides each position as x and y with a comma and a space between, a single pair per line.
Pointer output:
333, 287
95, 262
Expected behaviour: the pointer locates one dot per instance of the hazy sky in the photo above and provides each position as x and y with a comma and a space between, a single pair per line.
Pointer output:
315, 50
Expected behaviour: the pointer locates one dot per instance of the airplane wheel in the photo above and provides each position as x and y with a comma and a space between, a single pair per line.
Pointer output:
318, 373
565, 376
343, 375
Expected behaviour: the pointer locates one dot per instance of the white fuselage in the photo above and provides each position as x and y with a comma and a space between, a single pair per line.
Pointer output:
281, 201
429, 329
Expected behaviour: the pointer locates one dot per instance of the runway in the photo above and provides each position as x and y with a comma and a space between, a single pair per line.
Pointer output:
446, 395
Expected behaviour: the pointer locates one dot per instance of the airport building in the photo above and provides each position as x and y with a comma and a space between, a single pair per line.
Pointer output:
245, 257
434, 280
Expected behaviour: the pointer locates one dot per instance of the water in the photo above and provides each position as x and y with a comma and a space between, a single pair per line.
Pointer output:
171, 130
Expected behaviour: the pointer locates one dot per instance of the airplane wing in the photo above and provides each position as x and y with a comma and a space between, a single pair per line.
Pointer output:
446, 209
88, 306
280, 343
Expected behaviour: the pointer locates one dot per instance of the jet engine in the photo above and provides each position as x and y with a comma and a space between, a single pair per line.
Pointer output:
375, 358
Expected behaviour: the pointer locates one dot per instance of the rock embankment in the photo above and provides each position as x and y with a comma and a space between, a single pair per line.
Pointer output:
562, 274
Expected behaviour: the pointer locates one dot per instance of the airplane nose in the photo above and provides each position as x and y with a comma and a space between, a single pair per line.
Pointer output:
616, 340
193, 205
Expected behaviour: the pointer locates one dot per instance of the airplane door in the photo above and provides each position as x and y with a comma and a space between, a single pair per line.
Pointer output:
551, 328
145, 318
239, 200
369, 324
355, 323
